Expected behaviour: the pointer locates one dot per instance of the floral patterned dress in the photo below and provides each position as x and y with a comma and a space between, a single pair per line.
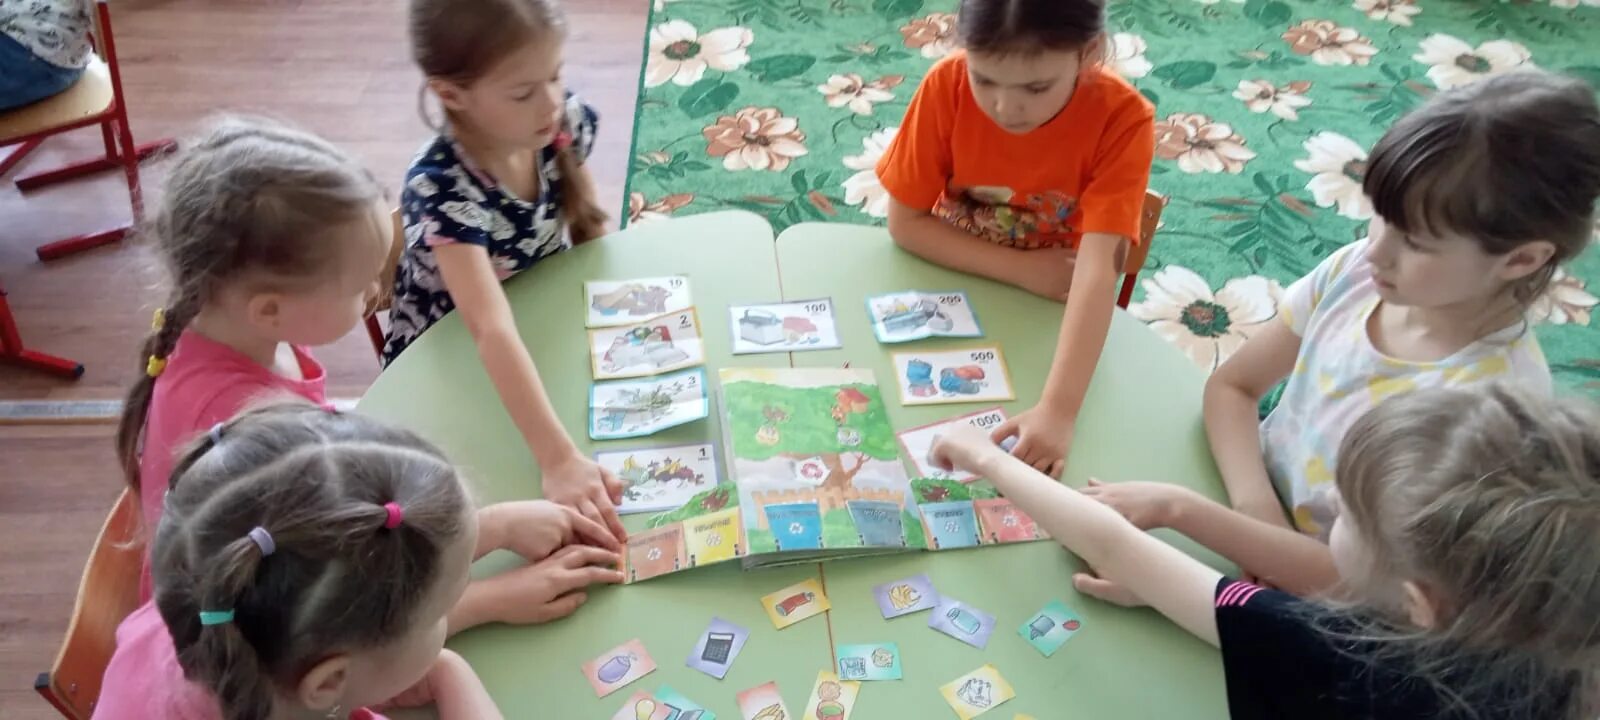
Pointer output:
449, 200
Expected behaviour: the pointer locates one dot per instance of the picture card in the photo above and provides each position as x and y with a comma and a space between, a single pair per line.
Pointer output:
624, 302
977, 692
643, 706
617, 667
762, 702
717, 648
832, 698
915, 314
870, 661
918, 441
784, 327
660, 478
905, 596
952, 376
1051, 627
680, 707
962, 622
795, 603
658, 345
635, 408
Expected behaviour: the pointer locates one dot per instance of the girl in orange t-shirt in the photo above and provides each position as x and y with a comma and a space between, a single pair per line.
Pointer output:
1023, 160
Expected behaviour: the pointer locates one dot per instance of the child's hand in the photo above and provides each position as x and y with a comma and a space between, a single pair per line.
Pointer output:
536, 528
580, 483
961, 448
1145, 504
1100, 588
552, 588
1043, 438
1048, 273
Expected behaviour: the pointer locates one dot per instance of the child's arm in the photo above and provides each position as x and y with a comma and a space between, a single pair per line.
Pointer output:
1046, 273
549, 587
570, 478
452, 688
1232, 416
1044, 431
1281, 557
1175, 584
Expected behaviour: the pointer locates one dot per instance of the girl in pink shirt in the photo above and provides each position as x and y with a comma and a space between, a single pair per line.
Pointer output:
306, 567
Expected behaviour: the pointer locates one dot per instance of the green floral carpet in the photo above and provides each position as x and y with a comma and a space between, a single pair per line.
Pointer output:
1265, 111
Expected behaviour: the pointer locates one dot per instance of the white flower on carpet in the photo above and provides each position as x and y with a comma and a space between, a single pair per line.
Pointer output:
678, 52
934, 36
755, 139
1567, 300
1200, 145
1328, 43
641, 210
1338, 165
1127, 55
1261, 96
863, 187
1570, 4
1455, 63
1398, 12
850, 90
1179, 305
661, 5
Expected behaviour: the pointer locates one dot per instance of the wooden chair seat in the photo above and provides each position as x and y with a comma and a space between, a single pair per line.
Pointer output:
92, 95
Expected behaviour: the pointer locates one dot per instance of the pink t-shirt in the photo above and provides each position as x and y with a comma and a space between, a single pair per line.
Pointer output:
205, 383
144, 679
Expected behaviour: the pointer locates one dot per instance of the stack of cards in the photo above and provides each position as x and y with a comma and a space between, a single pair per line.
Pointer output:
952, 376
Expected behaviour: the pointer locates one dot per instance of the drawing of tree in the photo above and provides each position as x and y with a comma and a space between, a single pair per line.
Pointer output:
769, 421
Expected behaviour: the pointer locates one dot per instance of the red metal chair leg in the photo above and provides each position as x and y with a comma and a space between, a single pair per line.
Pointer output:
12, 351
89, 167
16, 155
1126, 296
74, 245
375, 334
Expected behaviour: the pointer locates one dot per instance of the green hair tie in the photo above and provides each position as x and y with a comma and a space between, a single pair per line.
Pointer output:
216, 617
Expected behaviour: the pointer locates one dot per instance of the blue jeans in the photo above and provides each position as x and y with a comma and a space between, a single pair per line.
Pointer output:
24, 78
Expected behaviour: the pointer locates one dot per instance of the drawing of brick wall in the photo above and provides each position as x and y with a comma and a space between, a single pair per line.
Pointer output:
826, 499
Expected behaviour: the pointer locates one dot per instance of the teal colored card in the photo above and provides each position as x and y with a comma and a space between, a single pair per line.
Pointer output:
1051, 627
680, 707
871, 661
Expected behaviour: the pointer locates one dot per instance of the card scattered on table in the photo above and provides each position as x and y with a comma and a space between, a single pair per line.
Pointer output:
914, 315
952, 376
795, 603
762, 703
831, 698
643, 706
617, 667
918, 441
784, 327
634, 408
905, 596
1049, 628
977, 692
717, 647
660, 478
663, 344
680, 707
962, 622
870, 661
623, 302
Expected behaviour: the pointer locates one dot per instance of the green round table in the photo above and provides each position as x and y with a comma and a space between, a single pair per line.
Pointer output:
1141, 420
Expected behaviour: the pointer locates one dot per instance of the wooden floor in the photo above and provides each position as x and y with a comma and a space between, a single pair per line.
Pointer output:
337, 67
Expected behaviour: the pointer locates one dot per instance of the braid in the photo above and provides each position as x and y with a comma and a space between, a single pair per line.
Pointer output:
585, 220
182, 307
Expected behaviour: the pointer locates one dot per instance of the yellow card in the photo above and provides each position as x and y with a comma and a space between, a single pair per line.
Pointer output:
977, 692
832, 698
795, 603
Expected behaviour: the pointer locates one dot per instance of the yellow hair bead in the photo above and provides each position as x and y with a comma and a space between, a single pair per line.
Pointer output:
154, 367
159, 320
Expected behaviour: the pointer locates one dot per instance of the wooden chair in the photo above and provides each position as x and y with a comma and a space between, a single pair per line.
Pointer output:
96, 99
385, 298
108, 593
1149, 218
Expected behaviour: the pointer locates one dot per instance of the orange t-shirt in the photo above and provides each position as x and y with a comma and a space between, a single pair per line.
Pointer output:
1085, 171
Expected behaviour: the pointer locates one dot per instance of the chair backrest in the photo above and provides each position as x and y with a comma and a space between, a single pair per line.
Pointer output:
1149, 218
107, 594
397, 246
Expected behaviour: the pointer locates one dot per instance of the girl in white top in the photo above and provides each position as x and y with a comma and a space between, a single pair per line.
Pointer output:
1479, 196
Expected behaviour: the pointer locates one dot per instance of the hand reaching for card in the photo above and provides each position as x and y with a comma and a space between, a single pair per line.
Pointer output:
1043, 437
582, 484
536, 528
962, 448
1145, 504
552, 588
1100, 588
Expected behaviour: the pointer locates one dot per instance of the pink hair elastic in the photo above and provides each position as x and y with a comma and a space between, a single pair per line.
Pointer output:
396, 515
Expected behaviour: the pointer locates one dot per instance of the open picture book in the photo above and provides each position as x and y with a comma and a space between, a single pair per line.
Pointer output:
813, 471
